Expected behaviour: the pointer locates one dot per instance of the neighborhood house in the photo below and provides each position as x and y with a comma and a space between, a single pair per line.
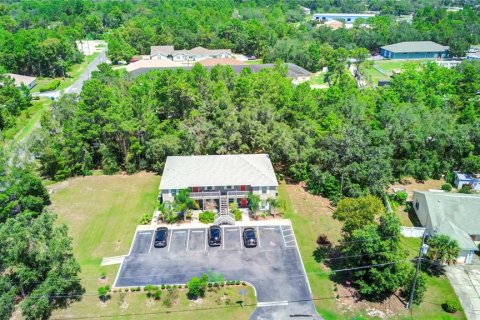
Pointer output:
19, 79
195, 54
414, 50
222, 179
347, 17
462, 179
454, 214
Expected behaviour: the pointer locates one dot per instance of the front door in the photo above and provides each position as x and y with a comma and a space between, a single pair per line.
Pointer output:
243, 202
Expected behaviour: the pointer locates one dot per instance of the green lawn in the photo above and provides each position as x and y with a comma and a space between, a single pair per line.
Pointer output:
26, 122
387, 66
72, 75
102, 213
311, 216
318, 78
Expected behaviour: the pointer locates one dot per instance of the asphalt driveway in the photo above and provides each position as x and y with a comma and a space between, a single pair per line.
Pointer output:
274, 267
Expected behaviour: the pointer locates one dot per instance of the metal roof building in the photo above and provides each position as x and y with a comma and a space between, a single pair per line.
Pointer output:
414, 50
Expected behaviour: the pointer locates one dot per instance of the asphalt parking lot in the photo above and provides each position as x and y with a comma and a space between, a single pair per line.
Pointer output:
274, 267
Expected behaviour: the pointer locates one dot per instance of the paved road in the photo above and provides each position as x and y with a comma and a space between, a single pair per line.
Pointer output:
465, 280
76, 87
274, 267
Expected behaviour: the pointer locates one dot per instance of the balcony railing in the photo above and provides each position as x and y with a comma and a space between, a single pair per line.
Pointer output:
205, 195
237, 194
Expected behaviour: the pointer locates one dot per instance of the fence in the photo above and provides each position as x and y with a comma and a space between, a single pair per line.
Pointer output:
412, 232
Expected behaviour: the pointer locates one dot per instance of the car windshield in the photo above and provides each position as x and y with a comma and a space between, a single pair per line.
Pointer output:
214, 233
250, 234
160, 236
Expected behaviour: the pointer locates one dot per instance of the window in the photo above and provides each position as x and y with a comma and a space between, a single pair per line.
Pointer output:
417, 205
264, 189
209, 188
174, 192
230, 187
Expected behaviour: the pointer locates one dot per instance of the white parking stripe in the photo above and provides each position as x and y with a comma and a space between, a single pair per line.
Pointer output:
232, 229
258, 237
180, 231
289, 241
169, 241
144, 232
268, 228
188, 238
223, 238
196, 231
240, 235
283, 237
151, 242
288, 235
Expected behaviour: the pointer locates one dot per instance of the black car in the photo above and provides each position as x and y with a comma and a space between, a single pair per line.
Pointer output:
214, 236
249, 238
161, 235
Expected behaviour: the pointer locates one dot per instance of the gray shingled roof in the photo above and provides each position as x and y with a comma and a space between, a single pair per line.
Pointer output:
293, 71
170, 50
415, 46
218, 170
455, 232
462, 210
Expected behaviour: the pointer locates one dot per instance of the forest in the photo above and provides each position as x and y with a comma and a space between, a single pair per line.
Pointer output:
341, 141
37, 37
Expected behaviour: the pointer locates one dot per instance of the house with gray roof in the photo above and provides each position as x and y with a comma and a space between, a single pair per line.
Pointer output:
195, 54
414, 50
20, 80
220, 178
454, 214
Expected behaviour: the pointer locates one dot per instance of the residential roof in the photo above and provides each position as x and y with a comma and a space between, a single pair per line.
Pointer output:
170, 50
19, 79
345, 14
218, 170
144, 66
450, 229
415, 46
461, 209
466, 176
221, 61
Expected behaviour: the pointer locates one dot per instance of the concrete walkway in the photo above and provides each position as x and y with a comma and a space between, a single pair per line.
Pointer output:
196, 225
465, 280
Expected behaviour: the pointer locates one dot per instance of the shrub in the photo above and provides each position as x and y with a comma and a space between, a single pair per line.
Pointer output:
103, 293
207, 217
451, 306
237, 213
50, 87
210, 284
238, 282
146, 219
157, 294
447, 187
244, 283
163, 286
138, 289
103, 275
196, 286
167, 302
400, 197
465, 189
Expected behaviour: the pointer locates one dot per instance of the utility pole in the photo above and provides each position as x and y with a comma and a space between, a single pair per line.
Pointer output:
419, 260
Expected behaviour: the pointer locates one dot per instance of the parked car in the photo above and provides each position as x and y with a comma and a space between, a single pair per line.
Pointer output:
161, 235
214, 236
249, 238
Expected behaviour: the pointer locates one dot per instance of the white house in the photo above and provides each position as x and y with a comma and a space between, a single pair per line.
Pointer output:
347, 17
195, 54
220, 178
462, 179
19, 79
454, 214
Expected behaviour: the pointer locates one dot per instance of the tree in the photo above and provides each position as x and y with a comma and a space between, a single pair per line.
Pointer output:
443, 249
359, 212
103, 293
471, 164
420, 287
274, 204
360, 55
196, 286
183, 202
253, 202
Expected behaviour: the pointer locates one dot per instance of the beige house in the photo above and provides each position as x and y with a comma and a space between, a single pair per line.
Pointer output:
19, 79
195, 54
222, 179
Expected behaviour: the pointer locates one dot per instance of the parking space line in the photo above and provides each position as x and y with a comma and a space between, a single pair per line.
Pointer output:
234, 229
197, 231
258, 236
169, 241
288, 235
293, 240
283, 237
151, 242
240, 236
188, 238
267, 228
223, 238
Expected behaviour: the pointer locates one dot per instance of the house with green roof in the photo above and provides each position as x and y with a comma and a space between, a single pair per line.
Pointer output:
454, 214
414, 50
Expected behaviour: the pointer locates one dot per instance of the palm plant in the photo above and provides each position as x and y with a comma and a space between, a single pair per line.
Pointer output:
183, 202
443, 249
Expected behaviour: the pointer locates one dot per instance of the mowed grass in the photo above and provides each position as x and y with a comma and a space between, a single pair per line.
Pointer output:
102, 213
312, 215
72, 75
388, 66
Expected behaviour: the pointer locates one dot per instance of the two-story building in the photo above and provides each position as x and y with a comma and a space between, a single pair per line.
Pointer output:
220, 178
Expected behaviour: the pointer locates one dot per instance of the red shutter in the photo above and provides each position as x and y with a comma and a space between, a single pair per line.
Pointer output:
195, 189
243, 188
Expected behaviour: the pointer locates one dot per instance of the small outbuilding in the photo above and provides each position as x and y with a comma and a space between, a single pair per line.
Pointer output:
414, 50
